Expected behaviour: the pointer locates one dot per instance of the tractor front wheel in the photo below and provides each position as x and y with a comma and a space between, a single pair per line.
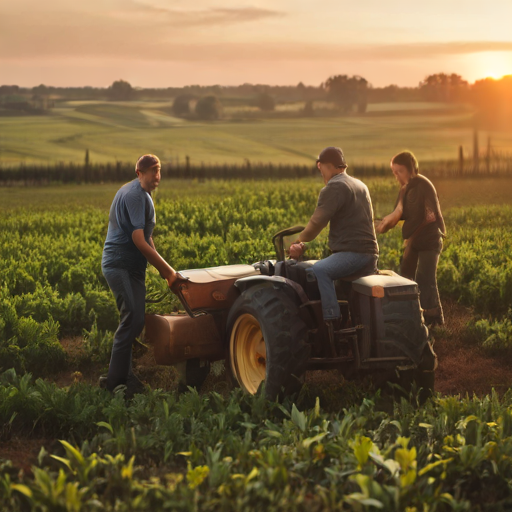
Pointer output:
267, 341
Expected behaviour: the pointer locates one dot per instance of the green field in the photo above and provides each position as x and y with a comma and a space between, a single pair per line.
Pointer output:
124, 130
340, 446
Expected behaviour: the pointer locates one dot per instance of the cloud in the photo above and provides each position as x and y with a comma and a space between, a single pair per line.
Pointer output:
193, 18
427, 50
149, 31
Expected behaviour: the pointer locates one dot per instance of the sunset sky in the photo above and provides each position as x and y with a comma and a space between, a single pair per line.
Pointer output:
162, 43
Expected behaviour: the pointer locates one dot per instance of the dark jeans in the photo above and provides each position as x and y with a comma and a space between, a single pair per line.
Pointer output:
130, 293
421, 266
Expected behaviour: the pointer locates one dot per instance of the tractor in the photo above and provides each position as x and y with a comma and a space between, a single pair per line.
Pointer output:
265, 320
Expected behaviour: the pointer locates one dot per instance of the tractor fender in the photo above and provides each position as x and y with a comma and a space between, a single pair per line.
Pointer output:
277, 282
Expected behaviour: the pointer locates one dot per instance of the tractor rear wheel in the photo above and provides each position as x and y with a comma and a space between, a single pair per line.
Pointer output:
267, 341
423, 377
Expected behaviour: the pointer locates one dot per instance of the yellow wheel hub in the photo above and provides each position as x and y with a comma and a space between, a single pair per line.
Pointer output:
248, 353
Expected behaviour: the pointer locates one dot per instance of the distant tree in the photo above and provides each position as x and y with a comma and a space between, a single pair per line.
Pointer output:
40, 90
209, 107
348, 92
9, 89
444, 87
181, 105
362, 104
308, 109
121, 90
493, 100
265, 102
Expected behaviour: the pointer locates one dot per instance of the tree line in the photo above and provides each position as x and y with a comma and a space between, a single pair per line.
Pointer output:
491, 98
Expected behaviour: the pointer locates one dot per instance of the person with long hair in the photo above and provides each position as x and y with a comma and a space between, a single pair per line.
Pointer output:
423, 231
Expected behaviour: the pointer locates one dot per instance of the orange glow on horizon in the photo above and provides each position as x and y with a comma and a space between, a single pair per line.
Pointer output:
494, 65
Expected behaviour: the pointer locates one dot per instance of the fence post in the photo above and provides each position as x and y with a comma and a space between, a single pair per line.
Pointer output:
187, 167
461, 161
488, 156
476, 153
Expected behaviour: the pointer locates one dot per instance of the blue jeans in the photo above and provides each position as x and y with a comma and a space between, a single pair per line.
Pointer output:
336, 266
130, 293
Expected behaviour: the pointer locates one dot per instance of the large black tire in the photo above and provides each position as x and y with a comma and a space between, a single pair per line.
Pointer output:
267, 341
422, 378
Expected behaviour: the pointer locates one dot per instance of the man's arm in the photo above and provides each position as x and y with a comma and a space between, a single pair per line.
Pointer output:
327, 206
328, 202
150, 253
316, 223
391, 220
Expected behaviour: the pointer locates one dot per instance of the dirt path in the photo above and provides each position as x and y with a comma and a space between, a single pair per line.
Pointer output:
465, 367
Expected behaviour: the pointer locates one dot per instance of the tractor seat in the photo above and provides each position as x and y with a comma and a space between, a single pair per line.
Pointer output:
367, 270
211, 274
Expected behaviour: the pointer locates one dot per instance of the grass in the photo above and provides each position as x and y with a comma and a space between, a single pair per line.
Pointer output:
123, 130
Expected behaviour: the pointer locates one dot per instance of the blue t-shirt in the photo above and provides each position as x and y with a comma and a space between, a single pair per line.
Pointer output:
131, 209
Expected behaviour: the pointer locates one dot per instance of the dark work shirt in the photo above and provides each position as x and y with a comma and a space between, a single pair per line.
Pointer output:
131, 209
344, 202
422, 215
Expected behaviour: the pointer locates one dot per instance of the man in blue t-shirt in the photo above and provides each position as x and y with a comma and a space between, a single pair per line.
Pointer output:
128, 248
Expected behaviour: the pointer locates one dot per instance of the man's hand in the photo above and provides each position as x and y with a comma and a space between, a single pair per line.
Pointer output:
297, 250
388, 222
170, 279
382, 226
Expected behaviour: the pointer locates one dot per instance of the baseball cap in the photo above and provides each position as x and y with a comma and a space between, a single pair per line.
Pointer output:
332, 155
145, 162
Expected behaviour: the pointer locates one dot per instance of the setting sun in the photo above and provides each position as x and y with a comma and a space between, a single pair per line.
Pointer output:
494, 65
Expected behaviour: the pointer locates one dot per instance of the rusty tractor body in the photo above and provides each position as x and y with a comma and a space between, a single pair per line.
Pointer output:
266, 321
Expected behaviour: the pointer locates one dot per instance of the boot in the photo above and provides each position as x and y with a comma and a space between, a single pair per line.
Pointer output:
134, 385
433, 317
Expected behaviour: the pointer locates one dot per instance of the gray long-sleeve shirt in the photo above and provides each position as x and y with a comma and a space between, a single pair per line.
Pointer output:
344, 202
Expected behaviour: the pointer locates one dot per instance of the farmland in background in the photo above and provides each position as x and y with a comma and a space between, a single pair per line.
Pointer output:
121, 131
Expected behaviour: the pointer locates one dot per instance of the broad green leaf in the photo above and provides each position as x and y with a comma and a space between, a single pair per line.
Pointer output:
23, 489
433, 465
310, 440
362, 447
298, 418
106, 425
73, 451
66, 462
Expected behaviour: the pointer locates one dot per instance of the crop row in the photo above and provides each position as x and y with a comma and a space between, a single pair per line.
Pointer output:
213, 453
50, 262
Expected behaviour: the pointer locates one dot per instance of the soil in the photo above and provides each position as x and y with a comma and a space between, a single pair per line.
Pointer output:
23, 452
464, 369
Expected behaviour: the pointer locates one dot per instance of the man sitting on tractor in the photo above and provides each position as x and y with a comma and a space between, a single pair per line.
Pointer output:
345, 203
